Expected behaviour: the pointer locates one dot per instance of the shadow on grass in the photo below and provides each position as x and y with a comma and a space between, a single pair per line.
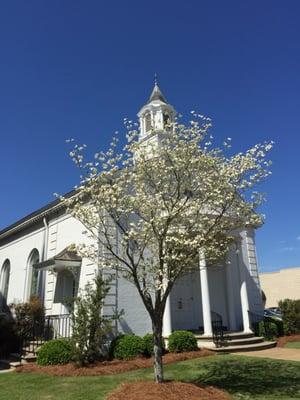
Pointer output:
253, 377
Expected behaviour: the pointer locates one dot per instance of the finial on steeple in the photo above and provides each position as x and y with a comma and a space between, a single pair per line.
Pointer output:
155, 79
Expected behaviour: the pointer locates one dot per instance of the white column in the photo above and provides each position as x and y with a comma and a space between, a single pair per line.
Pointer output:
243, 292
167, 319
206, 311
230, 294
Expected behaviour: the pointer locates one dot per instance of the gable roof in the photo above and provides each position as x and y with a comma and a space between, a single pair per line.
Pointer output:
68, 257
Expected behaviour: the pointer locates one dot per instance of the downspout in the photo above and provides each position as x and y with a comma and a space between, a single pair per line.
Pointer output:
44, 258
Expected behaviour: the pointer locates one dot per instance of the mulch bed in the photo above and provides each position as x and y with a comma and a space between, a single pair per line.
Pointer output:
282, 341
109, 367
166, 391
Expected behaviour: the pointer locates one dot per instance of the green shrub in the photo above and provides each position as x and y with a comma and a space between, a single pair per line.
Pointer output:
279, 324
290, 315
180, 341
55, 352
268, 329
128, 346
113, 344
148, 345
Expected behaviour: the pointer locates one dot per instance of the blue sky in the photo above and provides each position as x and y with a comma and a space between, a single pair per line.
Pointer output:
77, 68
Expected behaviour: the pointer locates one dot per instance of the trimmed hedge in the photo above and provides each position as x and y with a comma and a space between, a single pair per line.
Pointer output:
58, 351
180, 341
127, 347
148, 345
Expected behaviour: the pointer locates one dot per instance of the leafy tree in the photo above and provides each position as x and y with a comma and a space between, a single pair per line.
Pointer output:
167, 204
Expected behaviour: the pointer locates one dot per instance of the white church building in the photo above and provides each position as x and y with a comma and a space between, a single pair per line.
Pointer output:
36, 259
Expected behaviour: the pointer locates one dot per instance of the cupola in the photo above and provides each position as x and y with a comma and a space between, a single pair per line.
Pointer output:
155, 116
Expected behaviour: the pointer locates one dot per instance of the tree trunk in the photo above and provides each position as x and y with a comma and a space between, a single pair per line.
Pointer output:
158, 364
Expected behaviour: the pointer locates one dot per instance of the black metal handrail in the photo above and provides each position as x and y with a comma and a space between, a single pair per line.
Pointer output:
217, 329
32, 337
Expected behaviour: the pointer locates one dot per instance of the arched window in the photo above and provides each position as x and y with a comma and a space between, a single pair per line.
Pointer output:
4, 282
33, 274
148, 125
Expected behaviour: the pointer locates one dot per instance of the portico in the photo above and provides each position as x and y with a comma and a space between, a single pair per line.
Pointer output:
223, 294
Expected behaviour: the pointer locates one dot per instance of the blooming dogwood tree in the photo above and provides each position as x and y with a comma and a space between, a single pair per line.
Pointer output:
151, 209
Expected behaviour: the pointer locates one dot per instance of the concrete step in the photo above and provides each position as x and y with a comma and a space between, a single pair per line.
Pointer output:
15, 363
239, 335
245, 347
244, 341
11, 364
229, 335
29, 357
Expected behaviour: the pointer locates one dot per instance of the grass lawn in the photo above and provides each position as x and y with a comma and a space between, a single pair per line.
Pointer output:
293, 345
243, 377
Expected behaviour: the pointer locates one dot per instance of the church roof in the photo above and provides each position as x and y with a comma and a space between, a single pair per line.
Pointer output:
156, 95
38, 215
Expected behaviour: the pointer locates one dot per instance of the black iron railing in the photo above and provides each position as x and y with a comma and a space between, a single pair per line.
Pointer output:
31, 338
217, 329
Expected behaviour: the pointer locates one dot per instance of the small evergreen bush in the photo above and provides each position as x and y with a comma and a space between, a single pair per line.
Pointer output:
128, 346
55, 352
290, 315
279, 324
148, 345
268, 329
180, 341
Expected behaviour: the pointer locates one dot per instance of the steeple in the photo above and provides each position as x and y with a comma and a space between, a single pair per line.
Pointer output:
155, 116
156, 94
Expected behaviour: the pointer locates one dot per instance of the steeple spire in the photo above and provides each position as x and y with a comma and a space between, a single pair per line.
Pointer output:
156, 92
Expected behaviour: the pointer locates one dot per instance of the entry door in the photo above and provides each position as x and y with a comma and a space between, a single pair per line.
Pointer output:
68, 291
183, 303
64, 292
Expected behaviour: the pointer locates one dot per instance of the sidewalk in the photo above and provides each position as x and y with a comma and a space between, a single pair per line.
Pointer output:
278, 353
